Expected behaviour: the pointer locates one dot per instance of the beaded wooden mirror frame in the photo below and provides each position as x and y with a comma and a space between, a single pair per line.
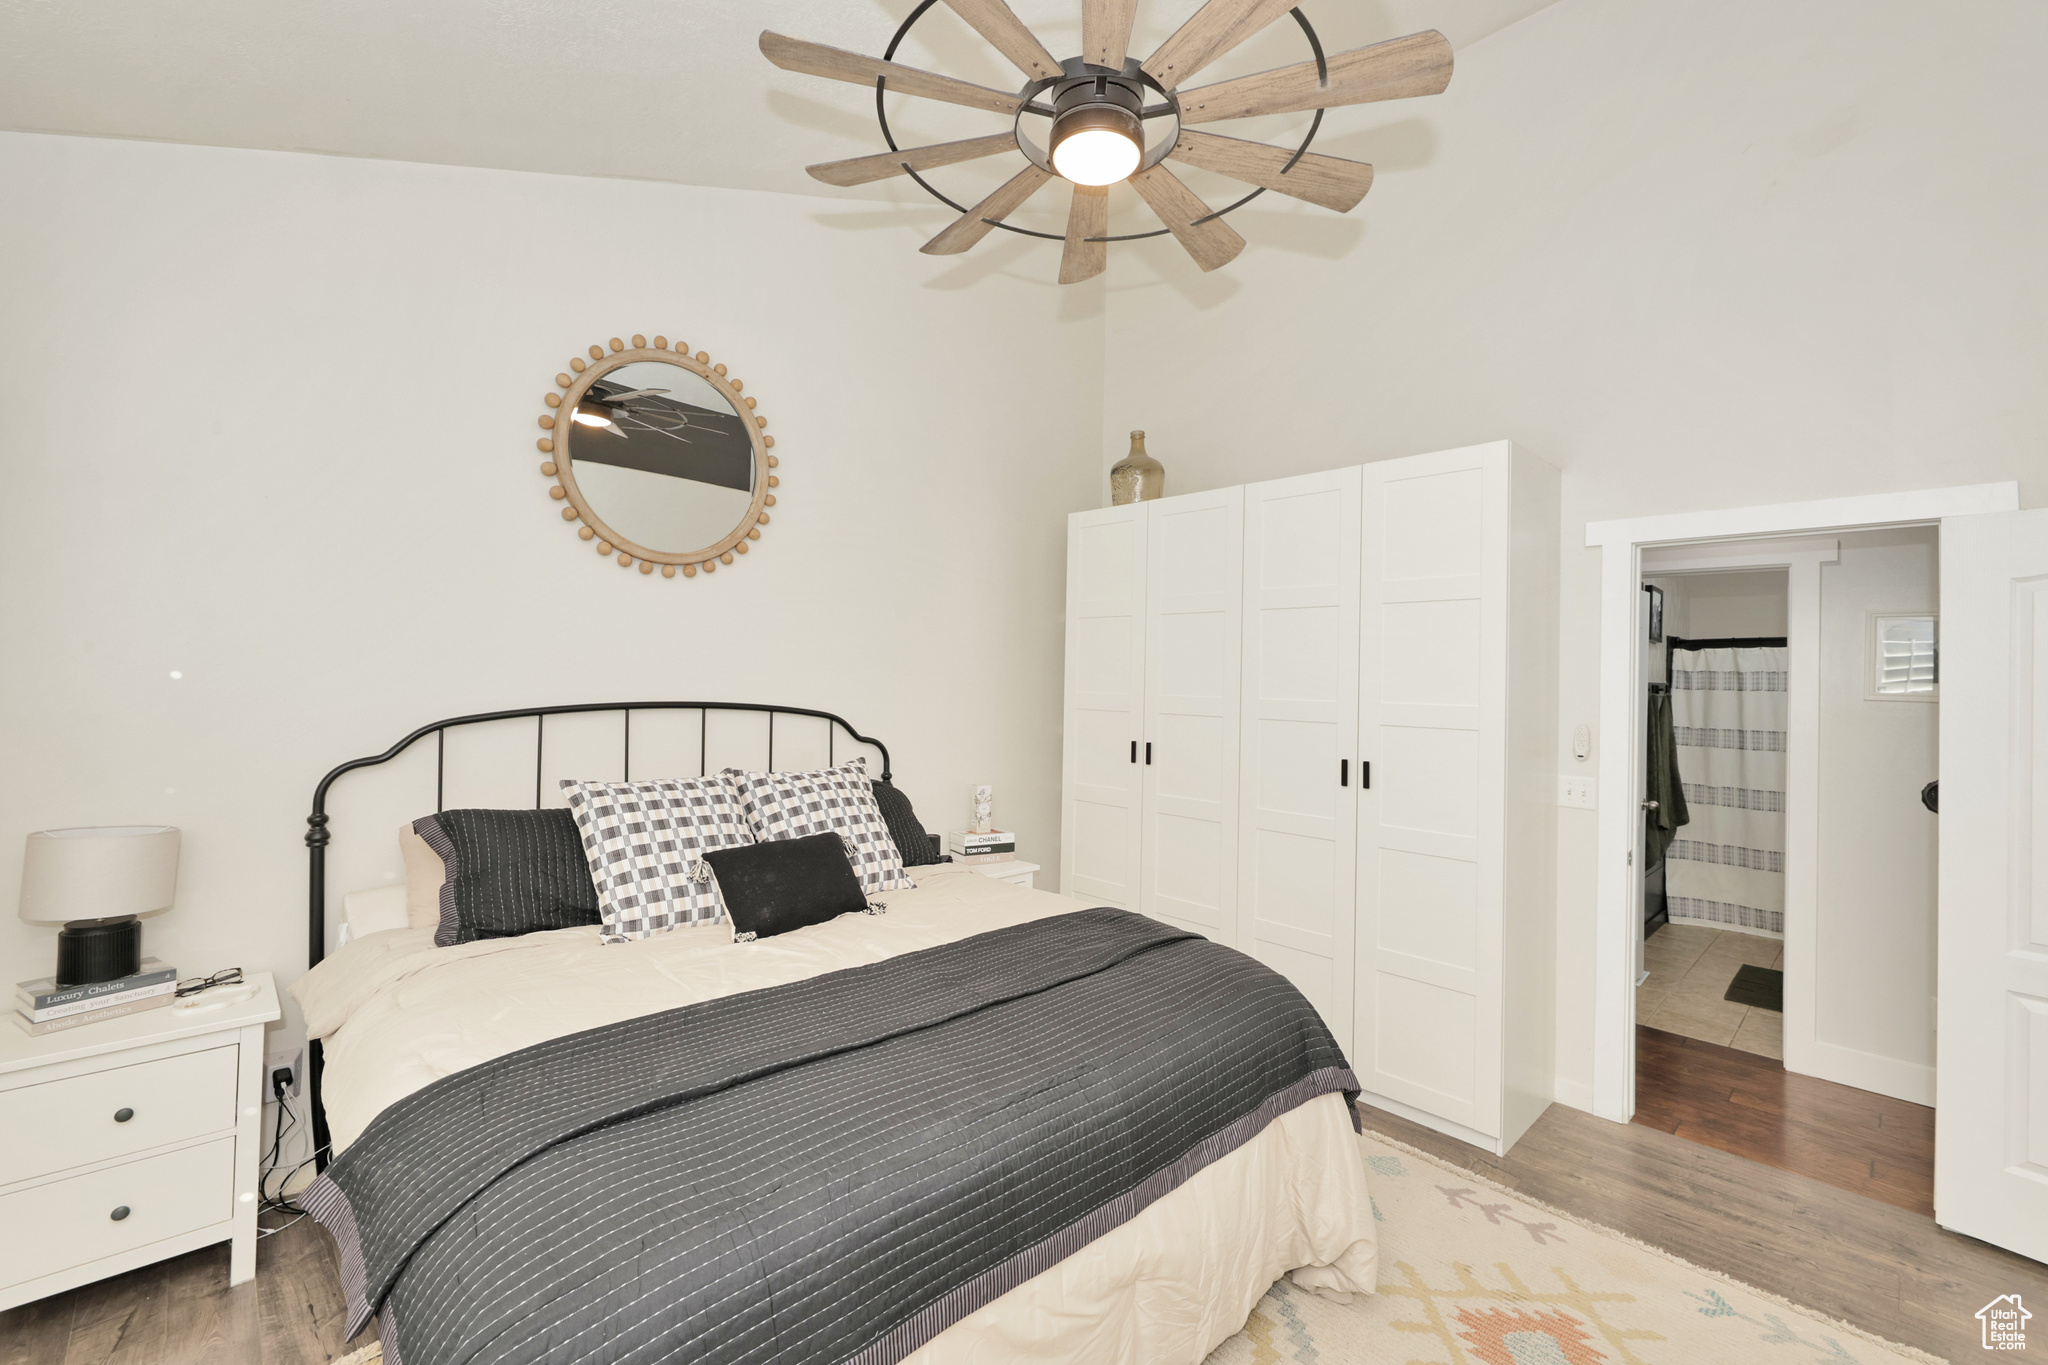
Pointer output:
570, 390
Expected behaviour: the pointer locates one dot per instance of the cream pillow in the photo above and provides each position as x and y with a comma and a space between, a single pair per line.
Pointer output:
424, 874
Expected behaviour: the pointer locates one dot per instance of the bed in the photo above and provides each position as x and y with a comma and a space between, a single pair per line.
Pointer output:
990, 1124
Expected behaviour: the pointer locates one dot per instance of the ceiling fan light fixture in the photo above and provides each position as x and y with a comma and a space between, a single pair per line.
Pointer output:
1096, 156
1098, 138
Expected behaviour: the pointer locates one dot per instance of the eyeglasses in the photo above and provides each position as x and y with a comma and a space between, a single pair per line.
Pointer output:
226, 976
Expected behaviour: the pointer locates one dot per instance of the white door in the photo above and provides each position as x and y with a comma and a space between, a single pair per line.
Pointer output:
1105, 706
1194, 602
1431, 638
1299, 815
1991, 1107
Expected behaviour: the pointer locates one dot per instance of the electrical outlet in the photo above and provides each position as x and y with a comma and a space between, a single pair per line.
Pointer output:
1575, 791
295, 1058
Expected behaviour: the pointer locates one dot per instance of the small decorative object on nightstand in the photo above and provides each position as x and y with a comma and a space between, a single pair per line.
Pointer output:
981, 810
131, 1140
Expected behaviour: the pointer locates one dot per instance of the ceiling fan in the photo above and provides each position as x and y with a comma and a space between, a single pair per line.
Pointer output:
1108, 117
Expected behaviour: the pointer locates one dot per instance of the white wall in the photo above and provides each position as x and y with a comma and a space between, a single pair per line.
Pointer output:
273, 428
1694, 255
1874, 976
1735, 605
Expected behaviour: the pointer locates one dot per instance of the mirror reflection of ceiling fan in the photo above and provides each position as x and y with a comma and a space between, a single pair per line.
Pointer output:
616, 412
1102, 125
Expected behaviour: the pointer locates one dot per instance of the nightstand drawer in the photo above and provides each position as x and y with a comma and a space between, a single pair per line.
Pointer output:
61, 1124
70, 1222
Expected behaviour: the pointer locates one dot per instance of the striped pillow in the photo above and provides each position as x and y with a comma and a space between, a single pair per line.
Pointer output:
825, 800
646, 843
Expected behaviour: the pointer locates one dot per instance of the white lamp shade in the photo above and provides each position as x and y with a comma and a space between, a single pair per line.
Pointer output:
98, 872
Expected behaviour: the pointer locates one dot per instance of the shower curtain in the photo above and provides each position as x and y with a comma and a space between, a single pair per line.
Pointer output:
1729, 710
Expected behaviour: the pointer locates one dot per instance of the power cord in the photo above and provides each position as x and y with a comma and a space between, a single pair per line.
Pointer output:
287, 1121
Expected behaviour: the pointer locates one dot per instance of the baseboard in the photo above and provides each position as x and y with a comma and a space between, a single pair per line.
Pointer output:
1576, 1094
1471, 1137
1908, 1081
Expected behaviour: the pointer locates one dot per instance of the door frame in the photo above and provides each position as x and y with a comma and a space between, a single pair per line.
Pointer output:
1618, 905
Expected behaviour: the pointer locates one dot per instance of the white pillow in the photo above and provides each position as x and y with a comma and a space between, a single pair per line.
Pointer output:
646, 843
424, 874
835, 800
375, 910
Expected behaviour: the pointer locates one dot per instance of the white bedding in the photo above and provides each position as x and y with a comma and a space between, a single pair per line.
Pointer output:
395, 1013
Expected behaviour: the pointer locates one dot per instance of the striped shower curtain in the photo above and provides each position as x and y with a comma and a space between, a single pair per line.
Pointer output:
1727, 867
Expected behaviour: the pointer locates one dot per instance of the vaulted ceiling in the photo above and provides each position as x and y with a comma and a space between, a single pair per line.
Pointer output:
670, 90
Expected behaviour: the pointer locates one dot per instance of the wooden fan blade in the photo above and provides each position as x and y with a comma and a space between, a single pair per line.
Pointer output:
1330, 181
816, 59
1089, 217
863, 170
1212, 243
1419, 64
1213, 30
981, 220
998, 23
1106, 31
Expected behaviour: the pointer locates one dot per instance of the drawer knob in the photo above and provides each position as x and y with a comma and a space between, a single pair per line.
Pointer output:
123, 1115
118, 1214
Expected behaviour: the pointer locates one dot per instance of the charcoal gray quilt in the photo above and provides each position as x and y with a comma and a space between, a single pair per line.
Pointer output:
829, 1171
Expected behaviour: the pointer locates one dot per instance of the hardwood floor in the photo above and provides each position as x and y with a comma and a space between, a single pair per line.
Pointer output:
1882, 1267
1751, 1107
181, 1312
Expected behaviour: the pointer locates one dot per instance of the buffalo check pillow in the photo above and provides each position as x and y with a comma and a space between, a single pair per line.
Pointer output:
646, 843
826, 800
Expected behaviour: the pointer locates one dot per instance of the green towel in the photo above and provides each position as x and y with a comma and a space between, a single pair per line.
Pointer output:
1661, 824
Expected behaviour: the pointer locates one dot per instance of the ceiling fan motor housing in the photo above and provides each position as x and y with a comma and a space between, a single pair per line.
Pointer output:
1091, 104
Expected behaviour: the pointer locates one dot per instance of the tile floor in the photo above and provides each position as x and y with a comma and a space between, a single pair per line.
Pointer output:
1690, 967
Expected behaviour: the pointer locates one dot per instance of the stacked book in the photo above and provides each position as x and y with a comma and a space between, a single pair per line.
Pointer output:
41, 1006
995, 846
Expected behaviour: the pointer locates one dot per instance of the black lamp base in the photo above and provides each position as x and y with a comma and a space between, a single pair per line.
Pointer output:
90, 951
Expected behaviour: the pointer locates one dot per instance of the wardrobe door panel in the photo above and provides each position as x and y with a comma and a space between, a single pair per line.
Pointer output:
1102, 797
1430, 667
1193, 627
1299, 816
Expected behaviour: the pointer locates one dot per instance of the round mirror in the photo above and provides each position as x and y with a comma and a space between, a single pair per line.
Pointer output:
661, 457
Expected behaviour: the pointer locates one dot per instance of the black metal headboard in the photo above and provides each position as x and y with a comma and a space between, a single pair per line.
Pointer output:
318, 836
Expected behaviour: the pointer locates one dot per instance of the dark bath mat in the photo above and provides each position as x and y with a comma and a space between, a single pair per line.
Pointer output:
1759, 987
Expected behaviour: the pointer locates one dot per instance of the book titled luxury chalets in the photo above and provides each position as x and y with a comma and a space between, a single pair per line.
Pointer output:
42, 1000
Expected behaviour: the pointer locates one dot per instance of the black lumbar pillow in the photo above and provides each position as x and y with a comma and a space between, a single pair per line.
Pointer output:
918, 848
510, 872
773, 888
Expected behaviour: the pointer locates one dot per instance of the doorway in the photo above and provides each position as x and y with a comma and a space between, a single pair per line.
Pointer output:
1851, 1104
1714, 846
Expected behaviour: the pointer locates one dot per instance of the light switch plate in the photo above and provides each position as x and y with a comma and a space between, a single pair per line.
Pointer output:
1575, 791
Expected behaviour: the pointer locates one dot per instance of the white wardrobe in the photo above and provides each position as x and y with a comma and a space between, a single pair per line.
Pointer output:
1315, 719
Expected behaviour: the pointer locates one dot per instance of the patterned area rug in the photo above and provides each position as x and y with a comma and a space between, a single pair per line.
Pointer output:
1473, 1275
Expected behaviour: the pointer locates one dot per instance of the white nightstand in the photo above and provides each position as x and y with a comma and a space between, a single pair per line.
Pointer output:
130, 1140
1015, 873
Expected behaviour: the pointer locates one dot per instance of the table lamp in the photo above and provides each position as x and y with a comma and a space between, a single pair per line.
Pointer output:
94, 881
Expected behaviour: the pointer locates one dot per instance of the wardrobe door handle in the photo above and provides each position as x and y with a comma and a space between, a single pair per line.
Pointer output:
1365, 774
1134, 751
1343, 772
1148, 753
